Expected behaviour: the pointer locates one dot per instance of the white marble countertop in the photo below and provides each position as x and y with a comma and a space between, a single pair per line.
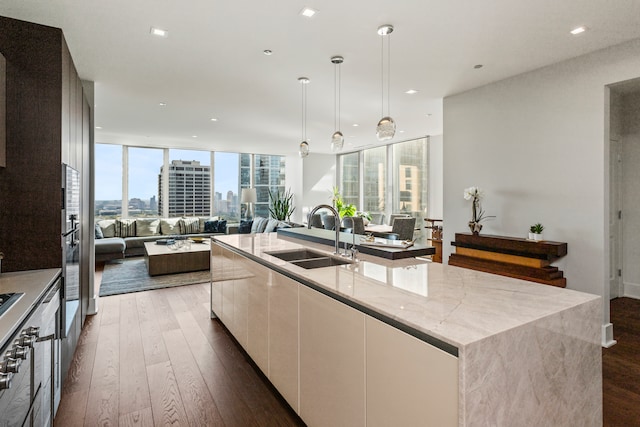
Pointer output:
33, 284
456, 305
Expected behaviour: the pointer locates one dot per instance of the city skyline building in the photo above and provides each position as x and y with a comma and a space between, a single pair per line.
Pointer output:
189, 189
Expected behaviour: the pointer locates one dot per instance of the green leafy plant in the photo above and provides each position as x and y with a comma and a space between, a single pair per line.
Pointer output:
281, 205
536, 228
344, 209
365, 215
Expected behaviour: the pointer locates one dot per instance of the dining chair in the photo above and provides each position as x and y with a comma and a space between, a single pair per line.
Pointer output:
392, 217
404, 227
356, 224
377, 218
316, 221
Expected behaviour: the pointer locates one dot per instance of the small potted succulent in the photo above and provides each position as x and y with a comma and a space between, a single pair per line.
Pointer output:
535, 231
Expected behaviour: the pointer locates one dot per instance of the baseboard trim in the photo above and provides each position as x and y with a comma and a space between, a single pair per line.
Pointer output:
93, 305
607, 335
631, 290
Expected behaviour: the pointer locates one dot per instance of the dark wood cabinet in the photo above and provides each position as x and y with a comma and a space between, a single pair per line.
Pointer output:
510, 256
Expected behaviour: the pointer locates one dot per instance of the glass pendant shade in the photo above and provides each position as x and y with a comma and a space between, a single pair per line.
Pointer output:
337, 141
386, 129
304, 149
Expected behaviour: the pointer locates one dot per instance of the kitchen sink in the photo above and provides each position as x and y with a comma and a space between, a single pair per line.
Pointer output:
296, 255
320, 262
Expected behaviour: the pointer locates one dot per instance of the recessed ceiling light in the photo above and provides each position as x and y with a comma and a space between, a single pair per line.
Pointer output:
163, 104
411, 91
268, 52
159, 32
355, 125
308, 12
578, 30
214, 119
401, 131
478, 66
98, 127
194, 136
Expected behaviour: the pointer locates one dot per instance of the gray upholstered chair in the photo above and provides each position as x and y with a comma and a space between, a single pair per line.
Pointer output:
392, 217
404, 227
377, 218
329, 222
355, 223
316, 221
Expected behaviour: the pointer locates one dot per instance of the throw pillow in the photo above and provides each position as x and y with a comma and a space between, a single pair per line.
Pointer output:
211, 226
259, 224
271, 225
203, 219
147, 227
169, 226
189, 225
221, 227
245, 227
98, 233
108, 227
125, 228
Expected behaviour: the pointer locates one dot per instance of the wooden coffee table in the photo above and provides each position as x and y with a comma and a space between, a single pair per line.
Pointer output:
162, 260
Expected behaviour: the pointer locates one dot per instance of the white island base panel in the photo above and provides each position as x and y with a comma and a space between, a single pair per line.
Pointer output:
348, 347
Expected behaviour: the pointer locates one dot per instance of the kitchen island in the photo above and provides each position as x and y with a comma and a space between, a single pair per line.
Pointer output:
409, 342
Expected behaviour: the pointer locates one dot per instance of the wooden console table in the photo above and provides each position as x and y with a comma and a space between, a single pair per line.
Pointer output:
436, 238
510, 256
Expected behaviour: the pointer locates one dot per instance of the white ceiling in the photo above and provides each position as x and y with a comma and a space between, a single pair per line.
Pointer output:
212, 63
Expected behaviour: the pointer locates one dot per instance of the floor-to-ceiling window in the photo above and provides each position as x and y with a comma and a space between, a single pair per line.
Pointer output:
350, 178
108, 181
402, 188
226, 185
410, 180
169, 182
144, 168
374, 181
268, 176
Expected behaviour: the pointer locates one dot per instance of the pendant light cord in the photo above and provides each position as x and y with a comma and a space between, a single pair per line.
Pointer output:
382, 76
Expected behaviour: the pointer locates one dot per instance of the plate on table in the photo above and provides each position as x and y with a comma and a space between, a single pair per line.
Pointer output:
198, 239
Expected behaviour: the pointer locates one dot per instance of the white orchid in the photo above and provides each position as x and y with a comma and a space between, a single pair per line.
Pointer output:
473, 193
476, 194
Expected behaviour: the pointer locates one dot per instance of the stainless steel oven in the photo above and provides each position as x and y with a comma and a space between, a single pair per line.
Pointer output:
27, 366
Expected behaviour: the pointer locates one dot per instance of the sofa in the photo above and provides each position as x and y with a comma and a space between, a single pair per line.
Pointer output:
120, 238
261, 225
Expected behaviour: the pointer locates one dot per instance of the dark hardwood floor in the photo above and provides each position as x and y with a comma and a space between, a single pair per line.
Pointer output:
156, 358
621, 366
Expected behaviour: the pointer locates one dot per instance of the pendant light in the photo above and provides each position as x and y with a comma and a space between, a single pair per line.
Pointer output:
304, 145
386, 128
337, 139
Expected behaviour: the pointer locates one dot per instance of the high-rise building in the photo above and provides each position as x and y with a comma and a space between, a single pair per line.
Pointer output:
189, 189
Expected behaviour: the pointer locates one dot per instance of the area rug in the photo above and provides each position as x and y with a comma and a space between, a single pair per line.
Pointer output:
131, 275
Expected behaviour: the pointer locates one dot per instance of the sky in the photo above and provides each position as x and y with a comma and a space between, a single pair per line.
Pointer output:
144, 167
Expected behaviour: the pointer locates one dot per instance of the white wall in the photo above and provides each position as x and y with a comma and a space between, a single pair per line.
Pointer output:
313, 181
537, 144
630, 139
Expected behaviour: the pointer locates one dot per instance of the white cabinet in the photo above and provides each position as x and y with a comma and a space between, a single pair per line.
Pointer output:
333, 364
217, 271
409, 382
283, 337
332, 361
257, 290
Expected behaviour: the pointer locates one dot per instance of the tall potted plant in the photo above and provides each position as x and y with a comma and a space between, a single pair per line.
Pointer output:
281, 205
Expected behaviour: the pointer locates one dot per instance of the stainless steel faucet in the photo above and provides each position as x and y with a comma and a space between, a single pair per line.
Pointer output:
337, 222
